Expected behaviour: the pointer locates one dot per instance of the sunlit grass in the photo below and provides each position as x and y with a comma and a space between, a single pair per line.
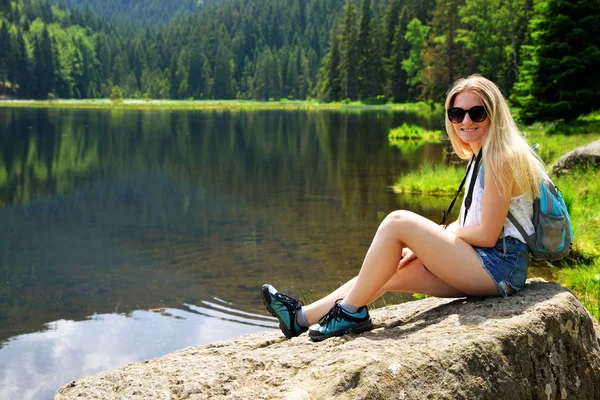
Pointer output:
581, 191
555, 139
223, 105
413, 132
431, 179
584, 281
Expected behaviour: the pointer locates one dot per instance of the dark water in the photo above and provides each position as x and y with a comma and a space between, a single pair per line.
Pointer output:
130, 234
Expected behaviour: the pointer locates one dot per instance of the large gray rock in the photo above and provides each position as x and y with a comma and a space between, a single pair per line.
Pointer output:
539, 344
585, 155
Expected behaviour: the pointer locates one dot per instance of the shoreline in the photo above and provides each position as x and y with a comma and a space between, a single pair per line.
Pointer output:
234, 105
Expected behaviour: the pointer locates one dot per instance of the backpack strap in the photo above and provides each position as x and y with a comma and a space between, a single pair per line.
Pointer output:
469, 198
474, 160
517, 225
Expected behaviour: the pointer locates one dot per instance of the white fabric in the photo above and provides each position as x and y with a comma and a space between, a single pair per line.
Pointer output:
520, 207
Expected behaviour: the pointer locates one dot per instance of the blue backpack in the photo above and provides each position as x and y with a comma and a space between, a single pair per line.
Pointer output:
553, 235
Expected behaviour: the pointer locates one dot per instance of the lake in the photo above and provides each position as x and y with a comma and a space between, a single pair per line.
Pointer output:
131, 234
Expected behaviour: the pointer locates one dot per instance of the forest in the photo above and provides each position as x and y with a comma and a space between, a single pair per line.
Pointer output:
542, 53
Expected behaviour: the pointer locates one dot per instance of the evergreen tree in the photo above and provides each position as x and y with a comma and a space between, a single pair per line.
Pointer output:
391, 19
444, 58
23, 73
291, 77
197, 74
363, 48
559, 77
223, 73
304, 80
247, 81
376, 65
332, 89
207, 80
396, 86
349, 53
5, 55
44, 66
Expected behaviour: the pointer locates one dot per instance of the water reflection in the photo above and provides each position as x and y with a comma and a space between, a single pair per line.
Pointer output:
107, 213
35, 365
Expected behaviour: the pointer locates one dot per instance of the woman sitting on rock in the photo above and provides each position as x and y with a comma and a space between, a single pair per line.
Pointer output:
479, 254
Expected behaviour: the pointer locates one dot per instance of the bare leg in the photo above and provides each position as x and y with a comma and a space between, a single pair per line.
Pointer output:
447, 257
413, 278
319, 308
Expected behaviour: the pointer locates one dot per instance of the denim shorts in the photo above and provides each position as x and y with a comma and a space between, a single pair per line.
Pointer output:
507, 263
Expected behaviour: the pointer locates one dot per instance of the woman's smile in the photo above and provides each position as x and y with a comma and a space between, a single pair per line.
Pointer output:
469, 131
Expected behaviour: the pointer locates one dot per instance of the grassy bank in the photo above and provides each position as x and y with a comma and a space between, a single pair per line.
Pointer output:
220, 105
580, 271
431, 179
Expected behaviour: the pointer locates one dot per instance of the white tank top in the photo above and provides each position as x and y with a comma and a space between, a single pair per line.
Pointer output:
520, 207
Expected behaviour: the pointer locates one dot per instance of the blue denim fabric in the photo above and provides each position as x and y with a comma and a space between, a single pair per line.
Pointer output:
507, 263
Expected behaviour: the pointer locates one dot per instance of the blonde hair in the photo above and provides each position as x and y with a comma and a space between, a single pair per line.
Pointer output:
503, 145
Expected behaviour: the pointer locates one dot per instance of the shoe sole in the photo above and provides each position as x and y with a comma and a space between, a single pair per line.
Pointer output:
266, 295
360, 328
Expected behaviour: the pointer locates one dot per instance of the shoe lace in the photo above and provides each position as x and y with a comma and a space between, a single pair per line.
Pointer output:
289, 300
335, 313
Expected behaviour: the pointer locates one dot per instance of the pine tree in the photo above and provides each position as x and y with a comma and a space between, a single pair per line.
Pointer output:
444, 59
559, 77
223, 73
5, 55
291, 77
197, 73
44, 66
207, 81
364, 48
333, 85
396, 86
349, 53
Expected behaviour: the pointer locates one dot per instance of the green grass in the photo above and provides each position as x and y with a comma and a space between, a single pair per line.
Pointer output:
431, 179
138, 104
584, 281
555, 139
413, 132
581, 269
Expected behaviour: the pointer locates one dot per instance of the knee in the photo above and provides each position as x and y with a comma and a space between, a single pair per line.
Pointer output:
395, 220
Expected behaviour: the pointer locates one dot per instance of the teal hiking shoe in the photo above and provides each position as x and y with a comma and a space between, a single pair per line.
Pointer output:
338, 322
284, 309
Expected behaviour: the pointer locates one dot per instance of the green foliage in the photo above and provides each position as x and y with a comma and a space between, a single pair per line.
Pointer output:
137, 12
558, 79
413, 65
411, 132
116, 94
349, 53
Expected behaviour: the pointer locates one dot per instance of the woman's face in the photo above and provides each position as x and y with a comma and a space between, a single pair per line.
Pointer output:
467, 130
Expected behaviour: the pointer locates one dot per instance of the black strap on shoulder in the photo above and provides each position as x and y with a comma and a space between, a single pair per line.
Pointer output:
469, 198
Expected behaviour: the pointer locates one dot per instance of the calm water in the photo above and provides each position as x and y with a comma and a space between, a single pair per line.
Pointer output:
130, 234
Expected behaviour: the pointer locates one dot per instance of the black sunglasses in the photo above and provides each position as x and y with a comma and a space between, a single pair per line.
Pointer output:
457, 114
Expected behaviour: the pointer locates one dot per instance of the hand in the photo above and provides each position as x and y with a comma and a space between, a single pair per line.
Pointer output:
407, 256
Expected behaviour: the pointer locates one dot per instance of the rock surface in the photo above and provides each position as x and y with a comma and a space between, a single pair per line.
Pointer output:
538, 344
588, 154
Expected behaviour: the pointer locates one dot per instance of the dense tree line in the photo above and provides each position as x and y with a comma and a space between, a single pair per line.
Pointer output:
542, 53
136, 12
